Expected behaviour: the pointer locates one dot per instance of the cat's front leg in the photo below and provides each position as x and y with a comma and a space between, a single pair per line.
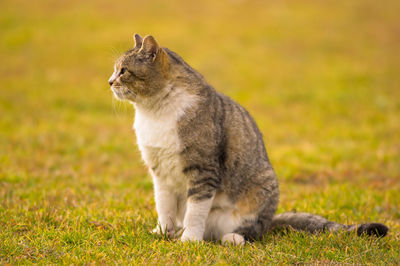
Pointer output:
166, 205
195, 218
201, 188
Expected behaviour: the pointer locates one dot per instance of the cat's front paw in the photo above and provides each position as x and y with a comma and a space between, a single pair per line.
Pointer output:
170, 232
191, 235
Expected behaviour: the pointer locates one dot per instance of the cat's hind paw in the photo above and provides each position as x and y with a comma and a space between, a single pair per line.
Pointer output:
234, 239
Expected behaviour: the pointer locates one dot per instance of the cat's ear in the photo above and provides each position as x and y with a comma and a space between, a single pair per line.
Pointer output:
138, 40
150, 47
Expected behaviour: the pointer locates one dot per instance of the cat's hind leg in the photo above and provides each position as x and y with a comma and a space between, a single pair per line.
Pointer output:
223, 220
221, 224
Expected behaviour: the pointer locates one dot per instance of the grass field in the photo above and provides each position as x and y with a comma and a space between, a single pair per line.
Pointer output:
320, 78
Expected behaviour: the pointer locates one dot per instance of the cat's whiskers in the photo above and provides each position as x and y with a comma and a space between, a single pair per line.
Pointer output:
115, 107
120, 103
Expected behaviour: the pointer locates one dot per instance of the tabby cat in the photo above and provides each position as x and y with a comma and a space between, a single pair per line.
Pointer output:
211, 173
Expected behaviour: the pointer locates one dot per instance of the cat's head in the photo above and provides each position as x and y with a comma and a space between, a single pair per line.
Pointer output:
141, 72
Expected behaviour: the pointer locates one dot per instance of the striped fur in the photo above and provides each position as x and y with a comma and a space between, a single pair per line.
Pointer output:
210, 169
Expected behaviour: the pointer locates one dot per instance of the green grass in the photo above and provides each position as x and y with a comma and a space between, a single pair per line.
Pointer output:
320, 78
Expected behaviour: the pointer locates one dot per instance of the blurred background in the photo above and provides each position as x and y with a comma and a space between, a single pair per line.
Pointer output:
321, 79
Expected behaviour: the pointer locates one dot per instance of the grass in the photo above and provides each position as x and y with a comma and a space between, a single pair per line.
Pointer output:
320, 78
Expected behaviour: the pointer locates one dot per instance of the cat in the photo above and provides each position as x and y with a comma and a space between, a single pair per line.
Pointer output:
211, 172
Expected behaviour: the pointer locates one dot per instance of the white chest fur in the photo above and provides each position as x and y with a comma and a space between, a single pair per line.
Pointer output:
156, 131
158, 140
159, 144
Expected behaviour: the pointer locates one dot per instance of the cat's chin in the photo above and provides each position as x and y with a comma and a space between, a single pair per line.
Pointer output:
122, 96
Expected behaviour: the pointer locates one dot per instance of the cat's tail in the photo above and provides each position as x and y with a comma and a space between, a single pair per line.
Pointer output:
313, 223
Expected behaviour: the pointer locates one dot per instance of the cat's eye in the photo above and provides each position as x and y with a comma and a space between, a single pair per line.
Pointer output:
123, 70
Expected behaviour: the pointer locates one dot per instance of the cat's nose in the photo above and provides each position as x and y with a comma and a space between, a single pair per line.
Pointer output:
112, 79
